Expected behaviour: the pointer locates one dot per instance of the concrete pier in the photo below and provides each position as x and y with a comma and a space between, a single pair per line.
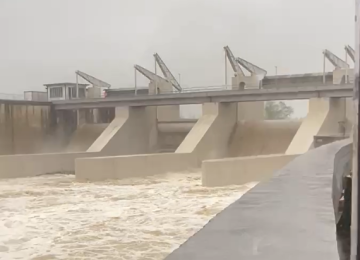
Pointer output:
325, 117
208, 139
131, 132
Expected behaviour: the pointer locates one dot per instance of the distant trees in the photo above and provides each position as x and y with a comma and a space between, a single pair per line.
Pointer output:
277, 110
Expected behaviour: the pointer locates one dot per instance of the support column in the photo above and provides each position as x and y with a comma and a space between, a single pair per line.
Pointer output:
81, 117
248, 110
165, 113
209, 138
324, 118
133, 131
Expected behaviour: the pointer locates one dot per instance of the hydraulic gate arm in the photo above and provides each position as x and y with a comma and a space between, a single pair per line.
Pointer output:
92, 80
148, 74
235, 65
335, 60
167, 73
252, 68
350, 51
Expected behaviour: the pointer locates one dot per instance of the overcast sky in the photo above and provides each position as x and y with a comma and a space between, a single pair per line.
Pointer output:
45, 41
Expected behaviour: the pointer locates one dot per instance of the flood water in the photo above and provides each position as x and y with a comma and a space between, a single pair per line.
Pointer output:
55, 217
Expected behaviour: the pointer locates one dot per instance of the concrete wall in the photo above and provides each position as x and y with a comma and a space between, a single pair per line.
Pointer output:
339, 76
296, 80
172, 134
93, 92
323, 119
24, 129
17, 166
253, 138
168, 113
120, 167
169, 142
84, 136
164, 113
238, 171
249, 110
129, 133
349, 111
335, 119
250, 82
342, 168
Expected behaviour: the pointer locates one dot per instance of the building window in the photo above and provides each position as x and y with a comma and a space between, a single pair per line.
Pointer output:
81, 92
56, 92
72, 92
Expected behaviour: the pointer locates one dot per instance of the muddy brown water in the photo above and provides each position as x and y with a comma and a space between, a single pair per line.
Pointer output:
56, 217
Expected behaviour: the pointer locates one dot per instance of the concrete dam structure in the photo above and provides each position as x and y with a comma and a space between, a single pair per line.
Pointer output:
25, 127
136, 136
118, 141
135, 140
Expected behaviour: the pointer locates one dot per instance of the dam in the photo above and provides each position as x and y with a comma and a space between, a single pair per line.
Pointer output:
81, 172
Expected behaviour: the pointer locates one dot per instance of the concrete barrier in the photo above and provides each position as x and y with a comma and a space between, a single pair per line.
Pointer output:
242, 170
342, 167
24, 127
17, 166
120, 167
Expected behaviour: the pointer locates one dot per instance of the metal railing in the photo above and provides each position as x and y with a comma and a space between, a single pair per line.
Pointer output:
6, 96
128, 92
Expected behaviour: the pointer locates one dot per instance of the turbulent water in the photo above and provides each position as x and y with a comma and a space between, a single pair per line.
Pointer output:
55, 217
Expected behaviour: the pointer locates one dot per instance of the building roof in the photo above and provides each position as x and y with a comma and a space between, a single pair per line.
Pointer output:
67, 84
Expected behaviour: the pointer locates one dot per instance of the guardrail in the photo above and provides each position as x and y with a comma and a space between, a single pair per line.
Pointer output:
141, 92
131, 92
5, 96
249, 95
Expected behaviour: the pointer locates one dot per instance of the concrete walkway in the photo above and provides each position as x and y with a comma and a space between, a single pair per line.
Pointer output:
288, 217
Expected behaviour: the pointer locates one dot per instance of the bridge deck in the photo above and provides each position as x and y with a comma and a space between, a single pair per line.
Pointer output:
248, 95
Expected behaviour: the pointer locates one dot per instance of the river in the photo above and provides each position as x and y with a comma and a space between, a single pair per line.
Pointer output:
56, 217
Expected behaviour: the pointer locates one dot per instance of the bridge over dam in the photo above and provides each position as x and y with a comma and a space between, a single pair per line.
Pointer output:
247, 95
230, 143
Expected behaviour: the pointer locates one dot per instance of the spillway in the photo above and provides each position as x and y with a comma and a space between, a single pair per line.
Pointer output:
253, 138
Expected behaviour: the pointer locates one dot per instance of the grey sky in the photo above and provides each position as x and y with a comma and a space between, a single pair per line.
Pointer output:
46, 41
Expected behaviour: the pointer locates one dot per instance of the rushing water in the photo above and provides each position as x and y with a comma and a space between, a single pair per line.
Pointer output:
55, 217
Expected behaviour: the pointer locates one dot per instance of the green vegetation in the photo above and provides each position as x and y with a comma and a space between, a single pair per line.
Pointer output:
277, 110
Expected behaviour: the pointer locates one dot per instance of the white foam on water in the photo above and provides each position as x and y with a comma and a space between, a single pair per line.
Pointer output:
55, 217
